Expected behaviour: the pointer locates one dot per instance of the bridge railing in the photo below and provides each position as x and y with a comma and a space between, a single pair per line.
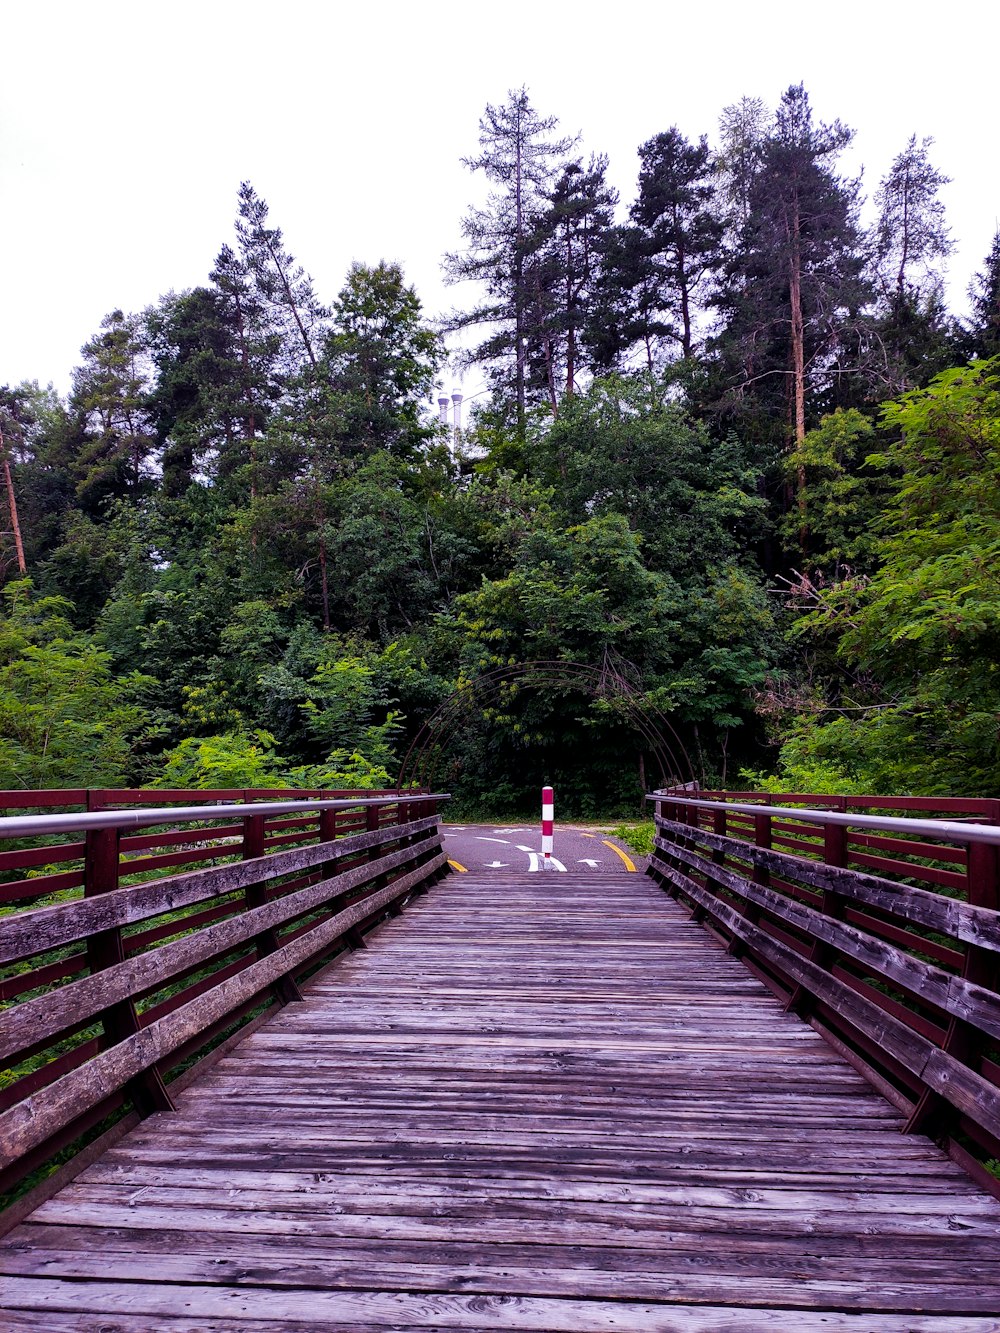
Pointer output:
113, 978
880, 927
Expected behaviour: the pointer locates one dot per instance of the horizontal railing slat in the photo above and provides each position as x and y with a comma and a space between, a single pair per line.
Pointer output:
936, 1068
950, 916
39, 929
47, 1015
39, 1117
942, 989
883, 930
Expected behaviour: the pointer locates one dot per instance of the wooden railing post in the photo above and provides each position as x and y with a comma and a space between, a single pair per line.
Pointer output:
676, 813
105, 948
691, 815
372, 822
719, 826
284, 990
752, 912
328, 833
831, 905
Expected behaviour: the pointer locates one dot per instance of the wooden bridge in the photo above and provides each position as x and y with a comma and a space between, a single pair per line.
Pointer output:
547, 1102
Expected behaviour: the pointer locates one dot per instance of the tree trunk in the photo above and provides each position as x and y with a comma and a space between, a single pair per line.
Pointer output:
683, 287
15, 526
519, 376
798, 331
324, 586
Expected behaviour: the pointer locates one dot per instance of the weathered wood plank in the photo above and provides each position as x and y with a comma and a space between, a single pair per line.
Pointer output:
505, 1114
950, 916
39, 1117
257, 1310
47, 1015
42, 928
955, 995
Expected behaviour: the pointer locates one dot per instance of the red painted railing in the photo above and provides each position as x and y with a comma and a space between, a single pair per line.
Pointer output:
878, 920
138, 926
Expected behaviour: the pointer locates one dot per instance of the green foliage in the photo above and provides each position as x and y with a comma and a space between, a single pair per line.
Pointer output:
921, 635
832, 529
637, 836
259, 560
65, 719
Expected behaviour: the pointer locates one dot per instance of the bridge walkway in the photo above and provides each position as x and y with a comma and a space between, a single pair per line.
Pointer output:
545, 1102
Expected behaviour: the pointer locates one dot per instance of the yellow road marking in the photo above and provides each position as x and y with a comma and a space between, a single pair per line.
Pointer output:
618, 851
589, 835
455, 866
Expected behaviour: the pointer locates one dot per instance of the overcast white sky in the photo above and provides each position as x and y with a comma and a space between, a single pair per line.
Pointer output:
125, 128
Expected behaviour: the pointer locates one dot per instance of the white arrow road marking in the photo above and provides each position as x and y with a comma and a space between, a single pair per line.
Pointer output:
511, 830
496, 865
534, 864
586, 861
505, 841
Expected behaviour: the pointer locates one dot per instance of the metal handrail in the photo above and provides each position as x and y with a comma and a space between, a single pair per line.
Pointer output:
24, 826
945, 830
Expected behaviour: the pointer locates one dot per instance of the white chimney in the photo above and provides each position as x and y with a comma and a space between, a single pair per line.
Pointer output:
443, 409
456, 398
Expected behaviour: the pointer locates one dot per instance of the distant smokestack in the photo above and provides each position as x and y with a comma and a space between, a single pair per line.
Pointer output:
456, 398
443, 408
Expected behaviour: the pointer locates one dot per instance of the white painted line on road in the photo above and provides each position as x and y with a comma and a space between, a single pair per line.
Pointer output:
586, 861
505, 841
520, 848
496, 865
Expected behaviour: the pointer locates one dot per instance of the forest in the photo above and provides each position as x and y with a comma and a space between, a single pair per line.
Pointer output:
735, 480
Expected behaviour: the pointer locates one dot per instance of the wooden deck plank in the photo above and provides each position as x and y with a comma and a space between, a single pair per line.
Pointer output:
532, 1103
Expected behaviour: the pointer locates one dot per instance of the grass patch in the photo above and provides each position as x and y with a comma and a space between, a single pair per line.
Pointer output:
637, 836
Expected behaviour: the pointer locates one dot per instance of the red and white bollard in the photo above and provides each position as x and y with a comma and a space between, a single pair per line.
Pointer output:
548, 811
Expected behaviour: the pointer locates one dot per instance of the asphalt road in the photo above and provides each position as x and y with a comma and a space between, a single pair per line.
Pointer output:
516, 848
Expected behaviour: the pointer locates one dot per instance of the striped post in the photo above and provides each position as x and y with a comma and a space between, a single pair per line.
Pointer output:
548, 808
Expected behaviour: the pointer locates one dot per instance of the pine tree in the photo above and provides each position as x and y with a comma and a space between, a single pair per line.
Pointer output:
197, 404
912, 332
984, 296
562, 274
379, 363
911, 235
793, 283
520, 159
259, 379
743, 130
109, 400
283, 287
680, 232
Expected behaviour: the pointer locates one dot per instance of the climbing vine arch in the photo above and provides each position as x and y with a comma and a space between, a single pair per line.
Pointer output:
610, 680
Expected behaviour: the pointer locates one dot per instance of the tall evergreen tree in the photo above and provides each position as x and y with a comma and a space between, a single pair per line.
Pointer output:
910, 243
794, 281
520, 158
283, 287
259, 379
743, 130
109, 400
984, 297
680, 232
197, 403
379, 362
562, 273
911, 235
